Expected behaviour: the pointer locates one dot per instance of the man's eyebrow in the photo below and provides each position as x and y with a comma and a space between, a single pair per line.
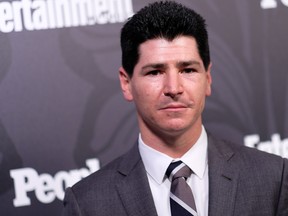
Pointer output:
154, 65
187, 63
178, 64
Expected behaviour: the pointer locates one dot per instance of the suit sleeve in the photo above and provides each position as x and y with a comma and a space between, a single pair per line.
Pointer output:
283, 201
71, 207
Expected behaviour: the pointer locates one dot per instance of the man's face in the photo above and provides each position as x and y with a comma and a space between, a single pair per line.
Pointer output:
169, 86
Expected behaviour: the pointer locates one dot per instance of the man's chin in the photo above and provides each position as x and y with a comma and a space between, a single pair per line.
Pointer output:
174, 130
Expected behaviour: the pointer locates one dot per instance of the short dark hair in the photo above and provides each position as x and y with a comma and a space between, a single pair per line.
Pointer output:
164, 19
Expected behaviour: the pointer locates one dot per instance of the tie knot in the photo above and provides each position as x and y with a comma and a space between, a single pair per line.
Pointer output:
178, 170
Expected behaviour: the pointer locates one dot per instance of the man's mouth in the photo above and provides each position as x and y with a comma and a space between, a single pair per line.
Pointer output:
174, 106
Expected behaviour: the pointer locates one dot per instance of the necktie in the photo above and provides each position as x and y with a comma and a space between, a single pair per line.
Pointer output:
181, 198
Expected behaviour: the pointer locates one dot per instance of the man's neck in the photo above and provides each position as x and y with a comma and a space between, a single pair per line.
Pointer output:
174, 146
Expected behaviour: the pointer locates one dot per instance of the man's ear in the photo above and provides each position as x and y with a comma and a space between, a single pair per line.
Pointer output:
209, 80
125, 82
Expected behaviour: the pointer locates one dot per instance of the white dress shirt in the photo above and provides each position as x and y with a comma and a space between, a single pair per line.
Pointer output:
156, 164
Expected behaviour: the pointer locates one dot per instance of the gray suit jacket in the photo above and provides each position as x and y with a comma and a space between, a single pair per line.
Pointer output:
242, 182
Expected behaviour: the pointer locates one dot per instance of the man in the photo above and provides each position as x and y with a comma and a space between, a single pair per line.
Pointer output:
166, 73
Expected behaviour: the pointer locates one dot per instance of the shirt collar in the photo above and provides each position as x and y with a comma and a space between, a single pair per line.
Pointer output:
156, 163
196, 157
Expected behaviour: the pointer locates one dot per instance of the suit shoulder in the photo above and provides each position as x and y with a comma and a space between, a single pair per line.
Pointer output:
256, 155
226, 146
100, 190
102, 181
251, 158
96, 181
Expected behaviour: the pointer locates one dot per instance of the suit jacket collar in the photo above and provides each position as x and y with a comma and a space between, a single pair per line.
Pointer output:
222, 178
134, 189
135, 192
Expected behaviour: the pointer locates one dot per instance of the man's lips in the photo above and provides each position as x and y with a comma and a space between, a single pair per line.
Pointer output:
174, 106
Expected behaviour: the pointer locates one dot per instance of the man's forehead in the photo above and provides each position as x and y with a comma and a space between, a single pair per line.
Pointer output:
160, 46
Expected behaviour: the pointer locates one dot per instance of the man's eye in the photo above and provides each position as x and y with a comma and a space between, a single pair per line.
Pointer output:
154, 73
189, 70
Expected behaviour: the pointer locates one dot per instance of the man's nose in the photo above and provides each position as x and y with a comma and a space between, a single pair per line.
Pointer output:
173, 85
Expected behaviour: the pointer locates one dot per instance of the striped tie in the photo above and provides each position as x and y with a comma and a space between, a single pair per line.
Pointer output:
181, 198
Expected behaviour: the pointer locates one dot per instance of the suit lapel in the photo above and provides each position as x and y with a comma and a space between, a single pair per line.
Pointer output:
134, 190
136, 196
223, 178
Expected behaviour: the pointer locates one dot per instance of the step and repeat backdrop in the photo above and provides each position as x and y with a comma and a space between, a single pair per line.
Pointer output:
62, 114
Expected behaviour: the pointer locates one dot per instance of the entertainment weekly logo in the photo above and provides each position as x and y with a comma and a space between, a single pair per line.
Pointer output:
32, 15
270, 4
274, 146
46, 187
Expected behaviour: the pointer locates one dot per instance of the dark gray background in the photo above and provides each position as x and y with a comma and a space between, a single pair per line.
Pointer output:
61, 102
